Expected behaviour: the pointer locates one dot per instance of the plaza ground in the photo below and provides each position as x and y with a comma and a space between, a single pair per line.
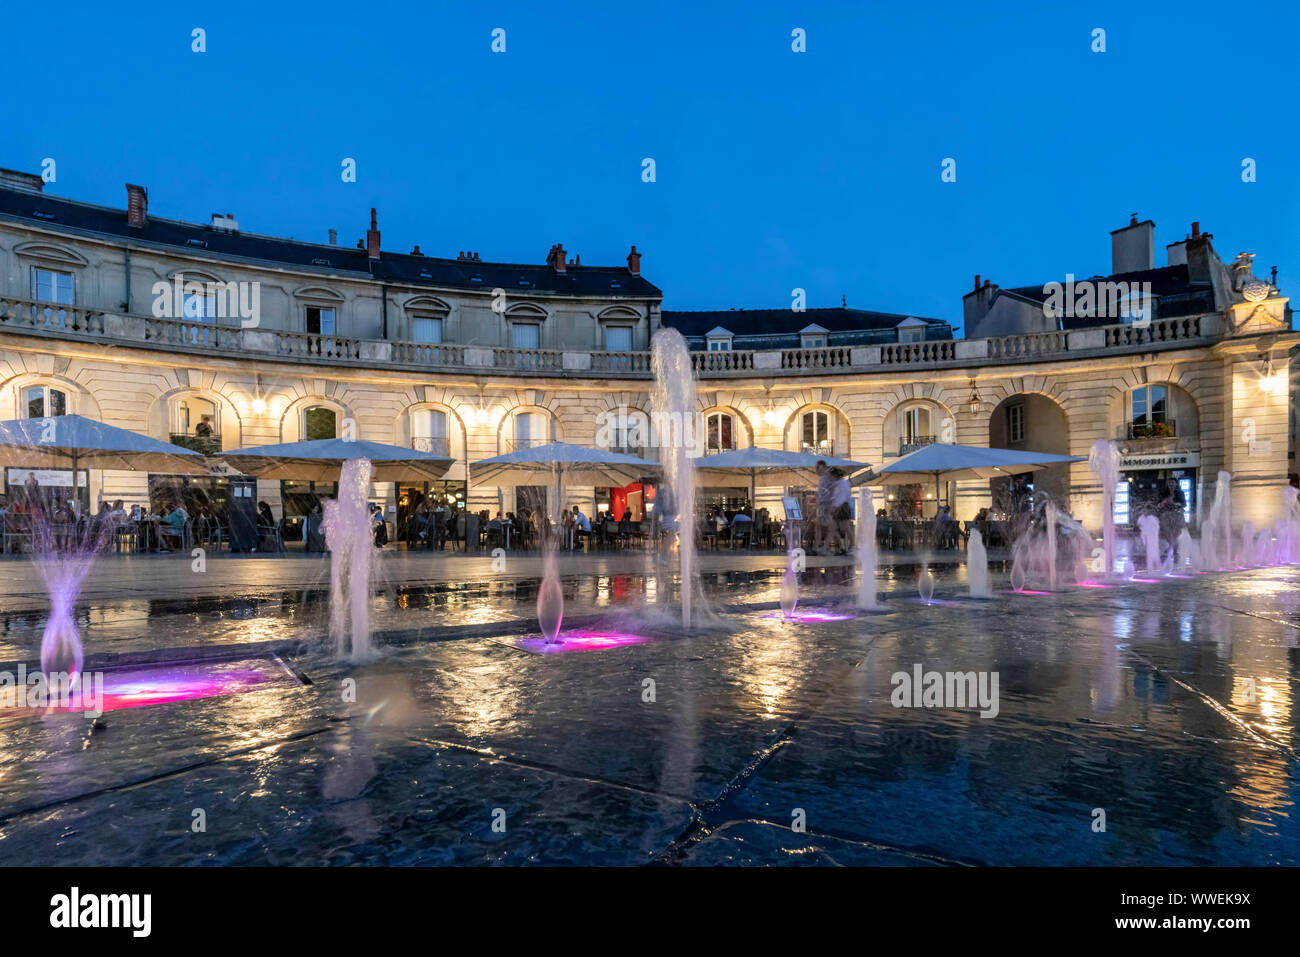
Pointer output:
1169, 706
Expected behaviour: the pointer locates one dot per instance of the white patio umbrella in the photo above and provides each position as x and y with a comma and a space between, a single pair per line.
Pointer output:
574, 464
957, 462
772, 466
321, 460
76, 442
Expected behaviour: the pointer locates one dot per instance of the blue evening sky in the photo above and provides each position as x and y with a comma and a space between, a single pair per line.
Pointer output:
774, 169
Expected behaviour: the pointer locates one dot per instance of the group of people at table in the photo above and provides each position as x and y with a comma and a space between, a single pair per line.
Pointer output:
42, 510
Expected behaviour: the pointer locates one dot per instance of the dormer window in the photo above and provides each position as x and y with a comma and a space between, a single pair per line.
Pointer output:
813, 337
718, 339
911, 329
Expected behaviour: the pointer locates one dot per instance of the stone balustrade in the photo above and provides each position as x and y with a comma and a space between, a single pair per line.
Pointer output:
53, 320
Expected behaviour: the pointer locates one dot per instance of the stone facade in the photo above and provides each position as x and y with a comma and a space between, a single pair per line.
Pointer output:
1225, 373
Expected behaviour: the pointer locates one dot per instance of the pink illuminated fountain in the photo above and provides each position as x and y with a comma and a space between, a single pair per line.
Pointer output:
977, 566
64, 560
1104, 460
349, 535
675, 407
865, 543
1216, 530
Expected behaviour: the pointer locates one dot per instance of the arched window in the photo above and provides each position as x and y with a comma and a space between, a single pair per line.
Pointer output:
196, 424
719, 433
45, 400
530, 429
627, 432
1149, 412
815, 427
916, 428
429, 431
319, 422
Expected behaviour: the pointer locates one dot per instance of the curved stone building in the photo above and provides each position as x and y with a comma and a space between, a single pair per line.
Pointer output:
216, 338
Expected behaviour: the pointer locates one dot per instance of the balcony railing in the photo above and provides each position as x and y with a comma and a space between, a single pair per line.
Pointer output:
831, 450
832, 357
1161, 429
914, 443
191, 336
436, 444
203, 444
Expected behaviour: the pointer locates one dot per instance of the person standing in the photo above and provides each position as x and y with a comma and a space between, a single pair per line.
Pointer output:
825, 492
841, 510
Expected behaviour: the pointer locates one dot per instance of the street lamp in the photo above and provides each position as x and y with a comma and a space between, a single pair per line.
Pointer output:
974, 403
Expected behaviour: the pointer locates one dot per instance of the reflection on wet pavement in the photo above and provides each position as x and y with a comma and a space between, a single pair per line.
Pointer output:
1166, 706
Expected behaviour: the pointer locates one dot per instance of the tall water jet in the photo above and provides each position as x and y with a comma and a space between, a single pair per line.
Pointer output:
64, 561
1104, 460
1189, 559
550, 599
1149, 529
1047, 538
789, 588
1288, 527
1246, 557
866, 545
925, 583
977, 566
674, 402
550, 596
1050, 516
1216, 530
349, 536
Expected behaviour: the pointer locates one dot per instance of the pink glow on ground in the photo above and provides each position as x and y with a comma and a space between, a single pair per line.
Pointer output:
1026, 591
1145, 581
1092, 584
579, 641
811, 616
144, 685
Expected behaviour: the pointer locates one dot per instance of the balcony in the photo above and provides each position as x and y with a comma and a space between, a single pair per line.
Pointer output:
203, 444
78, 323
914, 443
1162, 429
831, 450
435, 444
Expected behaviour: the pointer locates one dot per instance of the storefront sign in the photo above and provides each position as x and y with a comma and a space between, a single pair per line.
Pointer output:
50, 478
1170, 460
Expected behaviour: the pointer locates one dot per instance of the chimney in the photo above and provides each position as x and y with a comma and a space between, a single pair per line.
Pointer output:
634, 262
1132, 248
227, 222
30, 181
372, 235
975, 306
137, 205
416, 251
556, 258
1200, 256
334, 237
